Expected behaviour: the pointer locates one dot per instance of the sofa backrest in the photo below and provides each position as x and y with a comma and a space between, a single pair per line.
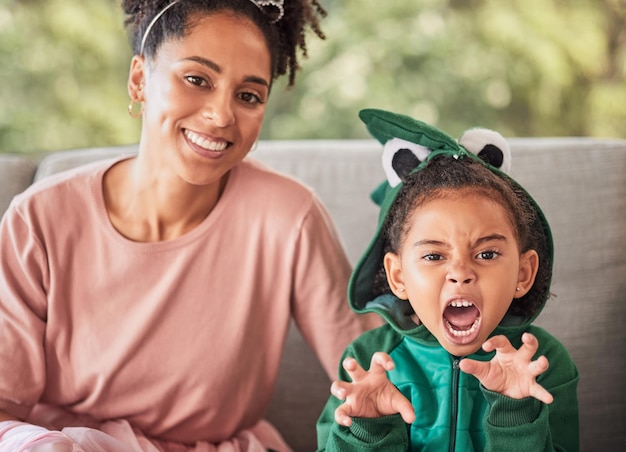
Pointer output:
580, 183
16, 173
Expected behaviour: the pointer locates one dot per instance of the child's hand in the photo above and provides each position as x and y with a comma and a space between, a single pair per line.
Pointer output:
370, 394
511, 372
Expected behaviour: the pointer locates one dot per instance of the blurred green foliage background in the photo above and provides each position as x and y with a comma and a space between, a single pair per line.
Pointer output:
523, 67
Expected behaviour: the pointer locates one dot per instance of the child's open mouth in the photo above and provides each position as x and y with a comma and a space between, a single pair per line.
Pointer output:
462, 321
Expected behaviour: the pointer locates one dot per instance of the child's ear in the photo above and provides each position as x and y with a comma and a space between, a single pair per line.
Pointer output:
529, 265
395, 279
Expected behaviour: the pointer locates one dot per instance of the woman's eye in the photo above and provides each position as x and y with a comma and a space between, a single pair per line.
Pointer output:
250, 98
195, 80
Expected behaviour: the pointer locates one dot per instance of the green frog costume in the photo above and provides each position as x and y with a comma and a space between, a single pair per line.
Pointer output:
454, 412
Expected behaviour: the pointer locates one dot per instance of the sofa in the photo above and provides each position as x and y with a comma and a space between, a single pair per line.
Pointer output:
580, 184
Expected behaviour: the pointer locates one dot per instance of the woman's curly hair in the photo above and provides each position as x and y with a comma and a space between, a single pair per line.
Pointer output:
285, 38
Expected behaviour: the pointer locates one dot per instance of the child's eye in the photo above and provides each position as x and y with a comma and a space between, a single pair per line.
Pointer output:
487, 255
432, 257
250, 98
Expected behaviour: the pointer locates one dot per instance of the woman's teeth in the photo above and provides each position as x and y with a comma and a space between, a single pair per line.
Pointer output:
198, 140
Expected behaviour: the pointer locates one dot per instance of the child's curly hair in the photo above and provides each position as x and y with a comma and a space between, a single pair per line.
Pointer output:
442, 174
284, 37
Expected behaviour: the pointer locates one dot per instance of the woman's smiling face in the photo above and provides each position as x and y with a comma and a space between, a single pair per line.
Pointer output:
204, 96
460, 267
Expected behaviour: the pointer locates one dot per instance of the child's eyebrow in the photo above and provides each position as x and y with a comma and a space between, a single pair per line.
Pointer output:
428, 242
480, 241
491, 238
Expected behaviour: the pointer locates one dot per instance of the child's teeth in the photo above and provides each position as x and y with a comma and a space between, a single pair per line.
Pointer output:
463, 333
461, 304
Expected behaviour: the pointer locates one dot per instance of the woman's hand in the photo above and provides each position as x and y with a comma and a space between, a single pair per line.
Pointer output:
511, 372
370, 394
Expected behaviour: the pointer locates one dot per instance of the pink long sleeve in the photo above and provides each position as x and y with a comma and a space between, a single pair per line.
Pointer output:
181, 338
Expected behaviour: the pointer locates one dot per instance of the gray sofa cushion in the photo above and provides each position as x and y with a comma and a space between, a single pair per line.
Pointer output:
581, 185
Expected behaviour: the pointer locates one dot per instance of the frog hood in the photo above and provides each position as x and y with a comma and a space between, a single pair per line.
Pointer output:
408, 147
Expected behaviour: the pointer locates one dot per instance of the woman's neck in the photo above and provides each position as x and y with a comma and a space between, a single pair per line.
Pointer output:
147, 206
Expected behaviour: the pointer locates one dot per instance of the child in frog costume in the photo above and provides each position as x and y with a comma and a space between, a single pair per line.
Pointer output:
459, 267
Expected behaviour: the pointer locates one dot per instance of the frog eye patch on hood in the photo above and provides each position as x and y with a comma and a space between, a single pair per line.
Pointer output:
408, 146
408, 142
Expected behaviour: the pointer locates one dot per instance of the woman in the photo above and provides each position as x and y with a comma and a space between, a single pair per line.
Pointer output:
144, 302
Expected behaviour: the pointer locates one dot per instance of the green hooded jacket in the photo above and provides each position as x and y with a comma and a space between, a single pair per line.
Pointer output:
454, 412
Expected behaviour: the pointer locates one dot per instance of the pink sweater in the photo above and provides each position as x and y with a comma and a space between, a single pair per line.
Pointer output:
181, 338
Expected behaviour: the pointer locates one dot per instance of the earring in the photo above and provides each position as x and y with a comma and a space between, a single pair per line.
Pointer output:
401, 289
131, 105
131, 109
517, 289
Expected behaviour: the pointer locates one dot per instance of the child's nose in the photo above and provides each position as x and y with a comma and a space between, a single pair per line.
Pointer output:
460, 272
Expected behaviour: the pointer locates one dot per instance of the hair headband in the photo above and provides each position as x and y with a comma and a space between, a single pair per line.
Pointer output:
261, 4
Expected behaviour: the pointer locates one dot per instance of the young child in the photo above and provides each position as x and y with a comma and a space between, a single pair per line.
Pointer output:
459, 266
